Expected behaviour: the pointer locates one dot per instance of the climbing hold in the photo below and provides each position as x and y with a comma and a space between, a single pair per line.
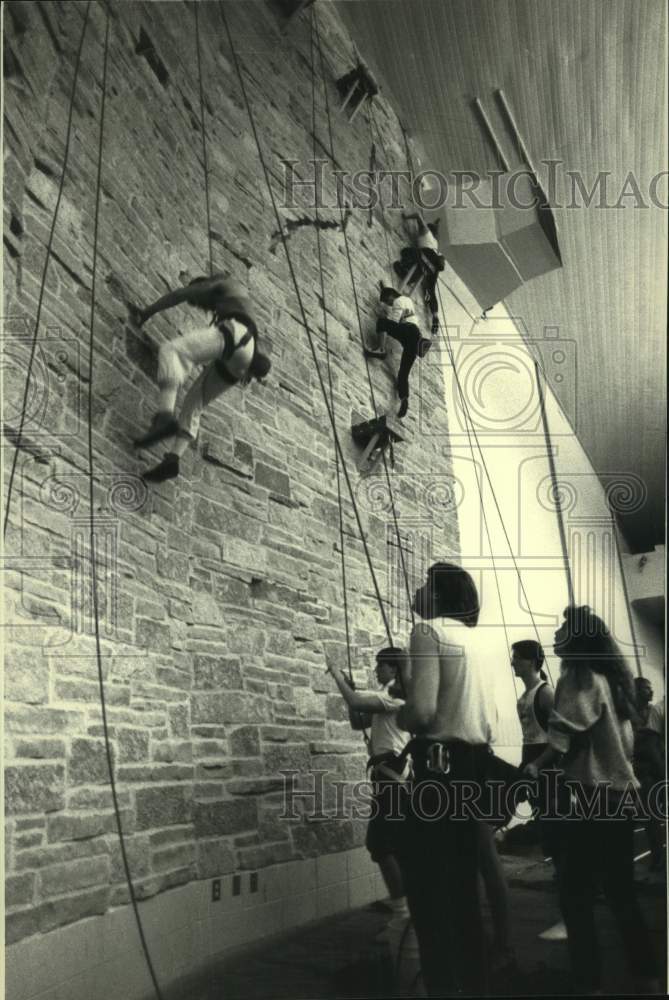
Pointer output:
355, 87
374, 436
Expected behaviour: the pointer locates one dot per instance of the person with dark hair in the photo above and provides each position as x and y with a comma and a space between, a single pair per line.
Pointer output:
227, 348
426, 260
377, 710
590, 724
448, 708
534, 707
397, 319
535, 704
649, 765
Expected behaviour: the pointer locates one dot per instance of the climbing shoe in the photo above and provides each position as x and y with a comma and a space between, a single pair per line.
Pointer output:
168, 469
162, 426
374, 354
404, 406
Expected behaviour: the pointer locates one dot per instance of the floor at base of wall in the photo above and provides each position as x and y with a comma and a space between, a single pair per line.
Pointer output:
339, 958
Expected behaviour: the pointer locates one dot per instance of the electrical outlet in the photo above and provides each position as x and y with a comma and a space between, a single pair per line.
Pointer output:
215, 890
253, 882
236, 885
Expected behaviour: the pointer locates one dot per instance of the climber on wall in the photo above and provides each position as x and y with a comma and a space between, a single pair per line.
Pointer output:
397, 319
227, 348
424, 260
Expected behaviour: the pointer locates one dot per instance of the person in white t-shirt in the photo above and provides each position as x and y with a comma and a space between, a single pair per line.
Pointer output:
397, 319
388, 771
450, 708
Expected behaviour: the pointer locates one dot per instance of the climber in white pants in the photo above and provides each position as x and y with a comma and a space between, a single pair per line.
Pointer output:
228, 349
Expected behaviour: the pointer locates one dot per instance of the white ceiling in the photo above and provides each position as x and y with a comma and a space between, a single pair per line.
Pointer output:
586, 81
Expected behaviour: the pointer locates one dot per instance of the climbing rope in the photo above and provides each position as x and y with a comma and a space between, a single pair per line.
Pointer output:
204, 137
319, 249
357, 310
93, 556
555, 489
470, 423
630, 619
371, 119
305, 321
342, 540
485, 524
47, 258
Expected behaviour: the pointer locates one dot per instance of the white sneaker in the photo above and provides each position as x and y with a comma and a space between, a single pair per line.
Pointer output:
558, 932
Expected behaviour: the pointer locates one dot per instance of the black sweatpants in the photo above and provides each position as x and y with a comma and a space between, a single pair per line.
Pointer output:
439, 860
428, 263
413, 345
598, 852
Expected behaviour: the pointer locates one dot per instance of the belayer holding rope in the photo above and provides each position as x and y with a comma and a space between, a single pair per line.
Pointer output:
227, 348
388, 769
397, 319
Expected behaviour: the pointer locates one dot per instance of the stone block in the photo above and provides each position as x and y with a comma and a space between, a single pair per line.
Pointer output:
87, 764
133, 745
173, 858
214, 857
26, 678
221, 818
272, 479
79, 826
34, 788
19, 889
212, 673
57, 912
40, 749
165, 806
58, 880
245, 741
138, 854
267, 854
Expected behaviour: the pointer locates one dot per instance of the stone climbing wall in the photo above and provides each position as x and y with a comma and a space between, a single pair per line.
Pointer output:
219, 596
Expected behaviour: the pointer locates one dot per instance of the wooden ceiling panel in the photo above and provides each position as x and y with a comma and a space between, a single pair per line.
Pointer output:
586, 81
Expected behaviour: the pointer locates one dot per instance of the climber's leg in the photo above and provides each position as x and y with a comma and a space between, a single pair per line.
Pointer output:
380, 349
176, 359
204, 390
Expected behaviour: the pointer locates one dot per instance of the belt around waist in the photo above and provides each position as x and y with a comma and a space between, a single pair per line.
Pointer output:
448, 756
